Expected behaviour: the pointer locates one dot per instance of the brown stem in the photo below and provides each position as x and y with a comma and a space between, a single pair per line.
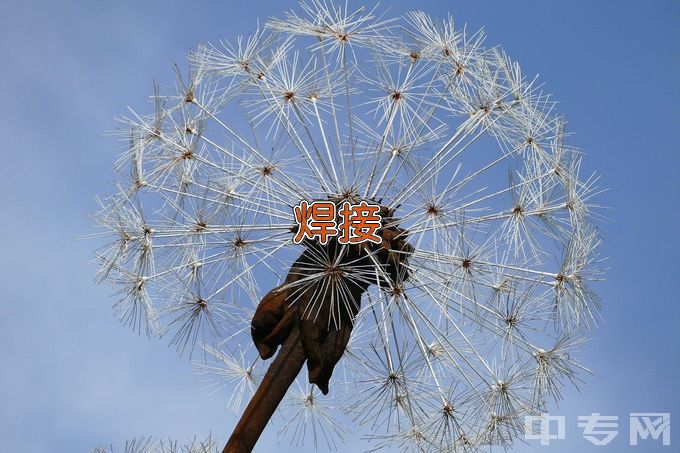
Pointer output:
280, 375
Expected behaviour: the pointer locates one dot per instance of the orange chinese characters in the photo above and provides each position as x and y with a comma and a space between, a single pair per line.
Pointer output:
315, 221
359, 223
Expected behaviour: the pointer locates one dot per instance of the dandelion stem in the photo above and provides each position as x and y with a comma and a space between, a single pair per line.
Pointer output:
280, 375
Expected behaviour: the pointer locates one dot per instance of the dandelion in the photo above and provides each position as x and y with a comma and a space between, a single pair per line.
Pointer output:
441, 335
149, 444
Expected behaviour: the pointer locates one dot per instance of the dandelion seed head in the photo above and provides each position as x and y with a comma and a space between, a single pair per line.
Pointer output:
488, 239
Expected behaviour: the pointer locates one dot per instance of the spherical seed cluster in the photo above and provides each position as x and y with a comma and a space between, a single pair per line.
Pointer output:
413, 113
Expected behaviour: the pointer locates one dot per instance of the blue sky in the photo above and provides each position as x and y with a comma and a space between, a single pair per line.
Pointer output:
72, 378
